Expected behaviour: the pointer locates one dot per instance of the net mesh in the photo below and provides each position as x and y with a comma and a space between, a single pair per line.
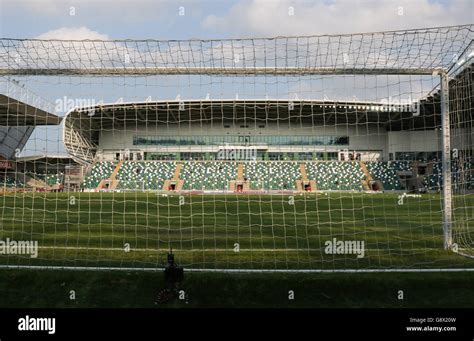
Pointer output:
302, 153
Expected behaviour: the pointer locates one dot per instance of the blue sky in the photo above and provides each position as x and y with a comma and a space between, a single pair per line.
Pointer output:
221, 19
142, 19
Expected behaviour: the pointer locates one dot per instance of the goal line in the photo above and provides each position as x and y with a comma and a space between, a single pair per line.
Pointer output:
129, 269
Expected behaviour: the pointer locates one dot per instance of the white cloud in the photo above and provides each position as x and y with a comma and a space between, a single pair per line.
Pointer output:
269, 18
65, 47
73, 33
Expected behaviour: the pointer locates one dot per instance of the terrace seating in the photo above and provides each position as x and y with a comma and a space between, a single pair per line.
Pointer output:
401, 166
386, 172
54, 179
208, 175
434, 181
261, 175
462, 176
49, 178
9, 181
272, 175
100, 171
468, 173
147, 175
336, 175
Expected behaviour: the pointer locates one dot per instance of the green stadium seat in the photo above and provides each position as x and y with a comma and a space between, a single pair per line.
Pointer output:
335, 175
386, 173
208, 175
9, 181
100, 171
145, 175
54, 179
272, 175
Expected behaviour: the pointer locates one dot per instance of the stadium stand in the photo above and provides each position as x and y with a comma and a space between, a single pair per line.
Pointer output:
261, 175
54, 179
401, 166
433, 182
386, 172
272, 175
208, 175
99, 172
9, 181
333, 175
146, 175
462, 176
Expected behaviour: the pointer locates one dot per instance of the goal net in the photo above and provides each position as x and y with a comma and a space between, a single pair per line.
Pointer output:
309, 153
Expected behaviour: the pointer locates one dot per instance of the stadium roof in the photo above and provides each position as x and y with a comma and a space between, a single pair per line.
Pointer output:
49, 158
16, 113
82, 126
255, 111
423, 114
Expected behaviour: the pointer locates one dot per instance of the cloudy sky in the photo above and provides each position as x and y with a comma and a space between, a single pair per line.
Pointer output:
82, 19
179, 19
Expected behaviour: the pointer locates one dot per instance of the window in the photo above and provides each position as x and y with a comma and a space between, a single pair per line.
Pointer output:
292, 140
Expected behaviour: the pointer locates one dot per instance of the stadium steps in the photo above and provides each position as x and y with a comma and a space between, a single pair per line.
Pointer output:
177, 172
304, 176
112, 184
420, 180
113, 176
239, 180
112, 181
305, 180
245, 185
300, 185
32, 182
240, 172
101, 184
178, 185
368, 177
175, 179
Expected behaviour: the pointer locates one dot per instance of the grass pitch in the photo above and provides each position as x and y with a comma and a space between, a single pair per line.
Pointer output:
230, 231
119, 289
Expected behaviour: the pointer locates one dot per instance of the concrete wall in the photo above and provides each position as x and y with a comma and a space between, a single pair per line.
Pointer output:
414, 141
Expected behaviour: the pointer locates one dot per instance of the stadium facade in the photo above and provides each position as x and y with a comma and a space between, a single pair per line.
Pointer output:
277, 129
298, 145
324, 145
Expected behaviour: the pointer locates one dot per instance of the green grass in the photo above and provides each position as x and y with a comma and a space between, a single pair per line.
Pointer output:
272, 233
117, 289
92, 229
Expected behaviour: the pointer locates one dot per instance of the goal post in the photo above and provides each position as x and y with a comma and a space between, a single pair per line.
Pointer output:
446, 157
348, 152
